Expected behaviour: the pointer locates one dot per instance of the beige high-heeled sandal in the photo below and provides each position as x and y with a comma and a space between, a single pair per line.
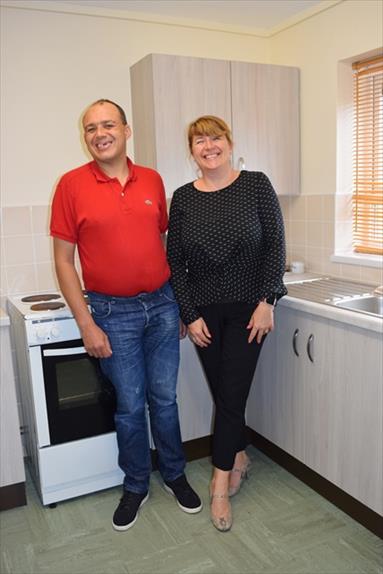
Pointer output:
221, 523
244, 475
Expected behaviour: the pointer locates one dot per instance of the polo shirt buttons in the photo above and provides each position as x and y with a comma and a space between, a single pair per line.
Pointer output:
122, 194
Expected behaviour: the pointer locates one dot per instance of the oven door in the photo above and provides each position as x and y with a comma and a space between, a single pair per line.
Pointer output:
80, 399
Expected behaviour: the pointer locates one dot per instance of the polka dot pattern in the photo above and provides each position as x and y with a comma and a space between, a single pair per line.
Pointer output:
226, 245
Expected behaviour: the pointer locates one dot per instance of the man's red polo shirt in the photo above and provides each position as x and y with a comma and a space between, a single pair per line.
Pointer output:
117, 229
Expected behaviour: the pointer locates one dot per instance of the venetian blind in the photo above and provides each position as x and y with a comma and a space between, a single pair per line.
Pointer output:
368, 156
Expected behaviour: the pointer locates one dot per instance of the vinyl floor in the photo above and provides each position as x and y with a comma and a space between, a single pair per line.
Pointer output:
280, 526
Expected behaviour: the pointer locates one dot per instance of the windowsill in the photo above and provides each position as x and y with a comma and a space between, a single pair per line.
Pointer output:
358, 259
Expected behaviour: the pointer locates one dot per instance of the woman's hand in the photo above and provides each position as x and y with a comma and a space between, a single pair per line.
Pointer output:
183, 330
261, 321
199, 333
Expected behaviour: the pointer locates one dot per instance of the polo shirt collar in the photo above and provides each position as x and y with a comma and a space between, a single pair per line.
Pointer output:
103, 177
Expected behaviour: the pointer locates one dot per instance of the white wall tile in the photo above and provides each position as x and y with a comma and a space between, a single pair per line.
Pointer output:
16, 221
21, 279
43, 248
46, 277
40, 219
18, 250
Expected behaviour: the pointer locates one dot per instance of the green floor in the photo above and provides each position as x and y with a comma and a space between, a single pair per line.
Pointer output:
280, 525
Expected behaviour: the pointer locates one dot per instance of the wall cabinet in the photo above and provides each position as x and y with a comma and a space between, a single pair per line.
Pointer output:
260, 102
317, 394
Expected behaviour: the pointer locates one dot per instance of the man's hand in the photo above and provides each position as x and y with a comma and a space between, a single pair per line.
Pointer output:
183, 330
96, 342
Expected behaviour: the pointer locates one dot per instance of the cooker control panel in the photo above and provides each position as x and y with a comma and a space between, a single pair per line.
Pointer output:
43, 332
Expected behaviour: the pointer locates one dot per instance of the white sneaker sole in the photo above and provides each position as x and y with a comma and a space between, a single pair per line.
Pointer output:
127, 526
184, 508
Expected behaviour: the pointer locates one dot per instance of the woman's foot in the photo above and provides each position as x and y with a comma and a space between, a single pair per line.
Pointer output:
239, 472
220, 512
220, 507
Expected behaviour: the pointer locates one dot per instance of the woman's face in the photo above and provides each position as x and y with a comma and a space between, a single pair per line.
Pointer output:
211, 152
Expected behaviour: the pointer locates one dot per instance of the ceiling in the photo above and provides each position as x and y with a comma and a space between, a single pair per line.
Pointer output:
257, 15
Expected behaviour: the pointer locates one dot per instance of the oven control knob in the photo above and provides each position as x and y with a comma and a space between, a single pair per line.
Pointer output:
41, 332
55, 332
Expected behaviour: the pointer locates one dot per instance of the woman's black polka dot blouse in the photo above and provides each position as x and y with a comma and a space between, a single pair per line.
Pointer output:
226, 245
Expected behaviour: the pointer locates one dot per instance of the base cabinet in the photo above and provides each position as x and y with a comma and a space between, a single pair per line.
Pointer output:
12, 473
195, 404
317, 394
355, 421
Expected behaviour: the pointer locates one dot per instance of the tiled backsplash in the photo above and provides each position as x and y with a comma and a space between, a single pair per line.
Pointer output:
26, 248
26, 251
312, 222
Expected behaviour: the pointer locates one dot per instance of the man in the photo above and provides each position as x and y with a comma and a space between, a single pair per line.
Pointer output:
115, 213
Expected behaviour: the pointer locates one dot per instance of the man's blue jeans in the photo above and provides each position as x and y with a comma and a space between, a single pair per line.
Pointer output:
144, 335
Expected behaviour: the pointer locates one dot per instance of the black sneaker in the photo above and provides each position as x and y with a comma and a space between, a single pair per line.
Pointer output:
127, 511
187, 499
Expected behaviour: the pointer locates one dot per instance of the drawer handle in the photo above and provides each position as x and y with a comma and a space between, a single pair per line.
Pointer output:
309, 347
295, 337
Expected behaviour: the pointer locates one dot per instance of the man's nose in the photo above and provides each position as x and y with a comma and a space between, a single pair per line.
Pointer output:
100, 130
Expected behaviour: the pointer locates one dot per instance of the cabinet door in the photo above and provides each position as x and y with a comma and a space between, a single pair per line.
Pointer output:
11, 459
287, 404
264, 392
195, 403
355, 459
275, 403
265, 122
169, 92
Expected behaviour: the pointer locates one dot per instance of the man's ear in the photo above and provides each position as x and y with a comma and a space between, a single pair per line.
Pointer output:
128, 131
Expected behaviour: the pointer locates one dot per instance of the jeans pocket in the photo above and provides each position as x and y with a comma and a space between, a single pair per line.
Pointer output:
100, 309
167, 293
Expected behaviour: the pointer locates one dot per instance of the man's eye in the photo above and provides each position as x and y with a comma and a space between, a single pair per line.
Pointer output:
90, 130
109, 126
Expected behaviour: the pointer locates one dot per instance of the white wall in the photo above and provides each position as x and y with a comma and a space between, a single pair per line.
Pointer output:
55, 64
316, 46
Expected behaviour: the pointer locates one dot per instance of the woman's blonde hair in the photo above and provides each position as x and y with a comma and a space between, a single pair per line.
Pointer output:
208, 126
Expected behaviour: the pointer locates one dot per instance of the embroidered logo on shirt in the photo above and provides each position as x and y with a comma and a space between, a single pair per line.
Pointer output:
148, 202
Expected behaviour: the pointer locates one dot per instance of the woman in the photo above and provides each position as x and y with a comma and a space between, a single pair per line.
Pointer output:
227, 256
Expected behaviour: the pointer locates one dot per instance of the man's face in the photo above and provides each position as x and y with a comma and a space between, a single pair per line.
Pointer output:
104, 133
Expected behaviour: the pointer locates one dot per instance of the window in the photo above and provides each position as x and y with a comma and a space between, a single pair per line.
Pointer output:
368, 157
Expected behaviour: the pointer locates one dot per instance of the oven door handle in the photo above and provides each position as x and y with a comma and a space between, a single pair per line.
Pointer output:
62, 352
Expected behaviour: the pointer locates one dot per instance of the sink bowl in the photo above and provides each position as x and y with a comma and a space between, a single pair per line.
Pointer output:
367, 304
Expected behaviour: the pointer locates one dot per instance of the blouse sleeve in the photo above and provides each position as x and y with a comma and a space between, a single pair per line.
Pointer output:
273, 255
178, 262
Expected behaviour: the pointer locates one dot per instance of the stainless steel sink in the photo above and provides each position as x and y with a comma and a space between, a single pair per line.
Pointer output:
343, 294
370, 304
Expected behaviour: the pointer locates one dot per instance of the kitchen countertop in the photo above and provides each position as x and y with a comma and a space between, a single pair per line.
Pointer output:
316, 294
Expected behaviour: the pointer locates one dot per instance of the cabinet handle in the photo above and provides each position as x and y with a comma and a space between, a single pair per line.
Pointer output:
309, 349
241, 163
295, 337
